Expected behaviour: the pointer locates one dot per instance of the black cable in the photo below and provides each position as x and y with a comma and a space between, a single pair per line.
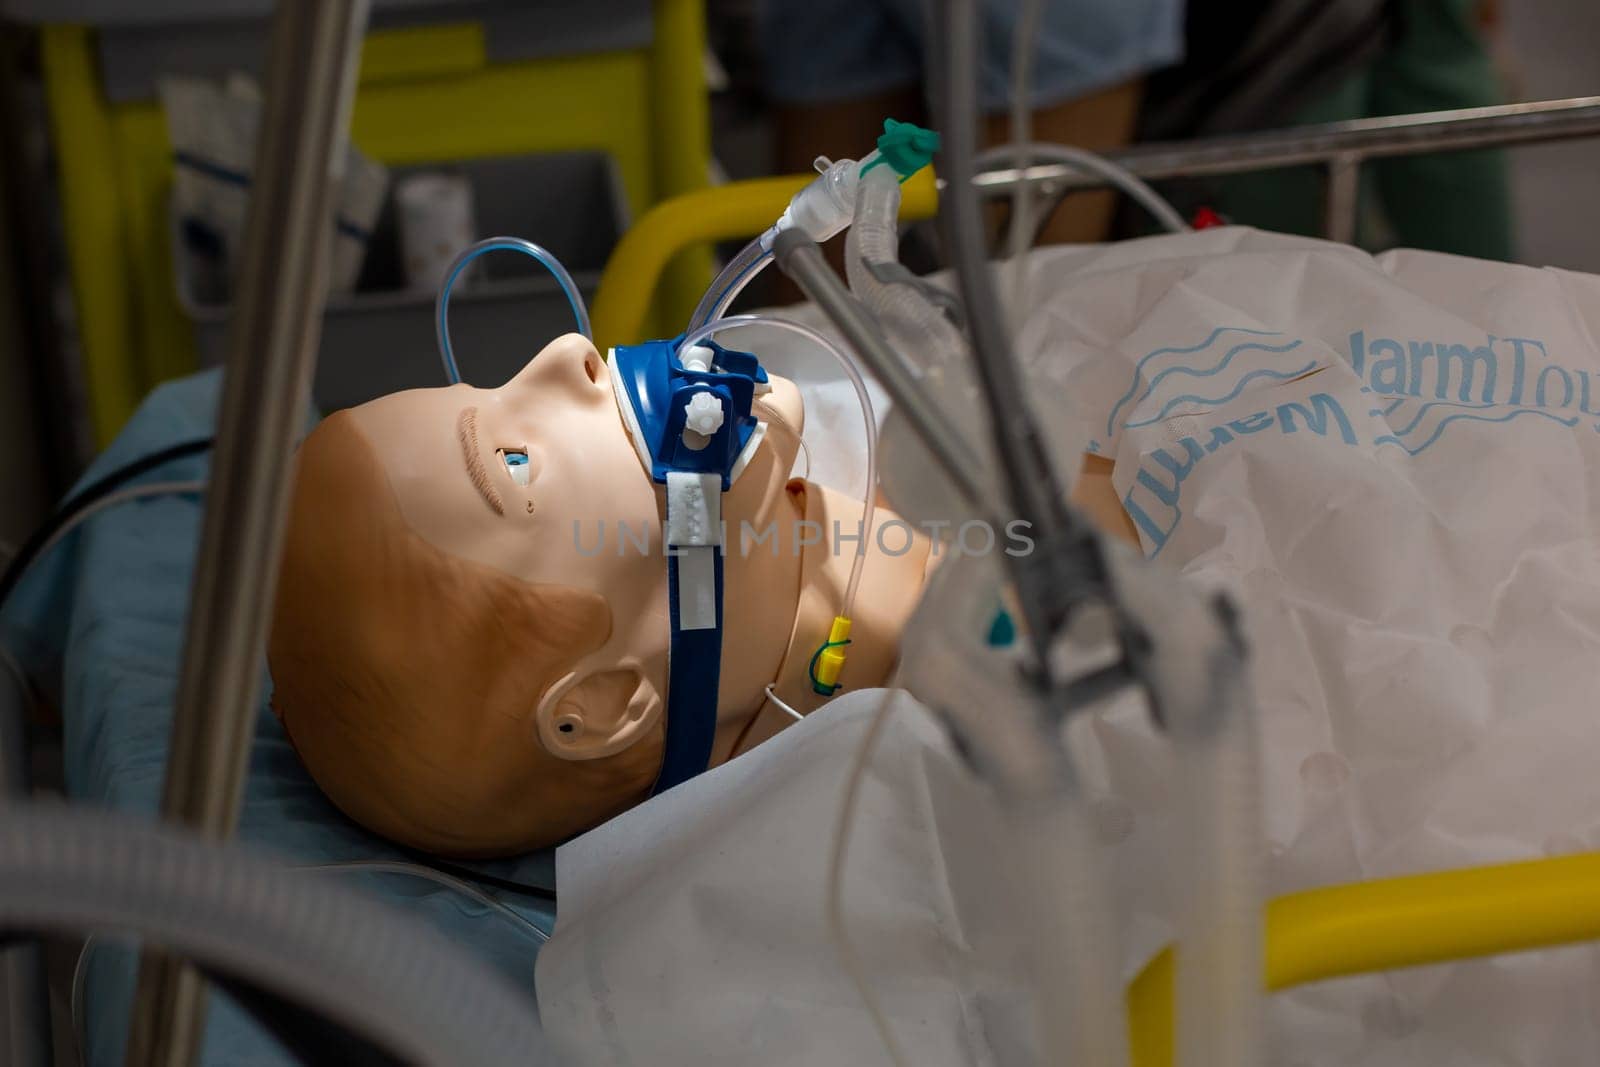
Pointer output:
95, 491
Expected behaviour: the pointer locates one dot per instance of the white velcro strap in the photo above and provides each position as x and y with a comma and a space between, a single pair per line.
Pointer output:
697, 589
694, 510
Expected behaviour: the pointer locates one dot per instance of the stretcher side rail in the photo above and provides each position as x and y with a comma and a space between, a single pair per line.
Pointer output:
743, 208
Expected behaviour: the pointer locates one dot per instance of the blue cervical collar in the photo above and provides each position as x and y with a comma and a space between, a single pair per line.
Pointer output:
657, 394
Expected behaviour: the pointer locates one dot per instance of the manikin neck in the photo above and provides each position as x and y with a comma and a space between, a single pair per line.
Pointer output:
770, 638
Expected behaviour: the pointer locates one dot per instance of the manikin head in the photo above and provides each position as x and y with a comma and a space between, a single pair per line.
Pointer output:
456, 664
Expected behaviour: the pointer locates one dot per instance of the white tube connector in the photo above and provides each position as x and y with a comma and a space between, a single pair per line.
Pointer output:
697, 358
824, 207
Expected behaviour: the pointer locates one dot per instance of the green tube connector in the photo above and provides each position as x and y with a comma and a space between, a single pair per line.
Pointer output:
906, 147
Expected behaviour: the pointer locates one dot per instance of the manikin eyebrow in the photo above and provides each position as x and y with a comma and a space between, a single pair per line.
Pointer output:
467, 434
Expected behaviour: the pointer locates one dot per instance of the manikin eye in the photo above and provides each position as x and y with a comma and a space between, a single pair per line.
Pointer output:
516, 465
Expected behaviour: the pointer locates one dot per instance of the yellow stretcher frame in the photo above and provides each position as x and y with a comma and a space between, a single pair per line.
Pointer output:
737, 209
1330, 932
426, 94
1366, 927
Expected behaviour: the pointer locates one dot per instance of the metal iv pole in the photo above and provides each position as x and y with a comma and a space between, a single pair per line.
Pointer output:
272, 344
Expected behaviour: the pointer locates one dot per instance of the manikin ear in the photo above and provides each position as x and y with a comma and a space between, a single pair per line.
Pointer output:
598, 714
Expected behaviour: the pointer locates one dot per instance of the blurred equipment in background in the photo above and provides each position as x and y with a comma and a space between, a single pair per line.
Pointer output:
45, 439
436, 220
479, 85
212, 129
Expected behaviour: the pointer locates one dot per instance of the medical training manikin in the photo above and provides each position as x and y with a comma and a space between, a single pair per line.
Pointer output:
470, 647
1392, 464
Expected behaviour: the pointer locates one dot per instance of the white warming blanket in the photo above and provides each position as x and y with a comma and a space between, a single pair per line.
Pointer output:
1395, 465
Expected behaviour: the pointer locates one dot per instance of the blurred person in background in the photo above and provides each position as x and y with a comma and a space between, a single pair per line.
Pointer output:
1265, 64
837, 68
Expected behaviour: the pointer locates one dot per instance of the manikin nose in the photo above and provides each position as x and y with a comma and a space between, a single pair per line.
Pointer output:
567, 362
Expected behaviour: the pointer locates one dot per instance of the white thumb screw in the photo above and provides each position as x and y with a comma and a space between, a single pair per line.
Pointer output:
703, 413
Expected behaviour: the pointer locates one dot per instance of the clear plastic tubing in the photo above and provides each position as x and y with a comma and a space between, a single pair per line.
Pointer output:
730, 283
822, 209
441, 324
1218, 986
869, 497
931, 349
910, 318
1081, 159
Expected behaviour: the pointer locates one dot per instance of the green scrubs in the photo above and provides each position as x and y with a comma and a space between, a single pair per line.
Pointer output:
1457, 202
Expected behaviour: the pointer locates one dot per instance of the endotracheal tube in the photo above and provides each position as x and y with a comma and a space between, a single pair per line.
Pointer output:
828, 660
822, 209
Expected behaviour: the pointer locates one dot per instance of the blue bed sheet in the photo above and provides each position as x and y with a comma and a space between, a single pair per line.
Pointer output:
99, 626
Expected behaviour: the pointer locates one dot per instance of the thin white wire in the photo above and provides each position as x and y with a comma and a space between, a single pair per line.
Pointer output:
837, 928
121, 496
805, 449
779, 701
1092, 163
437, 877
75, 1000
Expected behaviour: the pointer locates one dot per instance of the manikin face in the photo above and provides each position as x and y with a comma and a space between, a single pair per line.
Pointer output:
457, 460
467, 655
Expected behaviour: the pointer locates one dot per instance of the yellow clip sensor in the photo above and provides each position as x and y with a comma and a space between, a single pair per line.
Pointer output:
828, 660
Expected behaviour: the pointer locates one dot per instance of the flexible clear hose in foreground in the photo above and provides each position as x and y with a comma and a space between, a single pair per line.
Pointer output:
907, 316
345, 956
441, 324
869, 496
1198, 679
931, 348
1065, 902
1219, 924
838, 854
1056, 874
80, 969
